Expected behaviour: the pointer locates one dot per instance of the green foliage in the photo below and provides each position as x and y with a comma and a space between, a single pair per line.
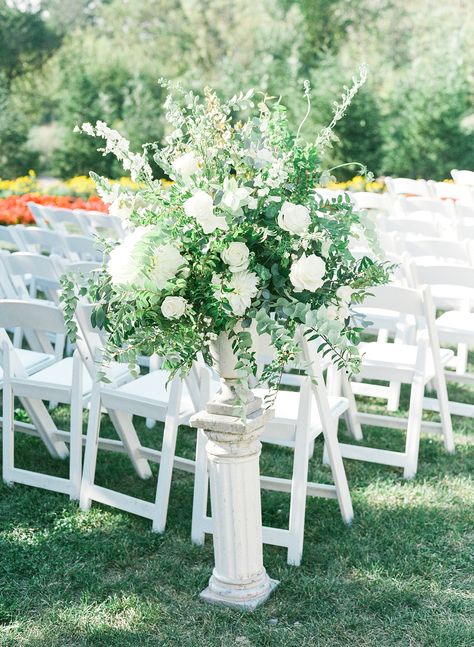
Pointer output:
25, 42
424, 133
414, 117
16, 157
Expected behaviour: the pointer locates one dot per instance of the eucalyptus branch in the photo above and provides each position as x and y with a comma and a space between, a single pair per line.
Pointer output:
326, 135
307, 94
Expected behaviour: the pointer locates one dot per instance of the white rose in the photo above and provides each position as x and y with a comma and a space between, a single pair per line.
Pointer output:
200, 206
244, 289
173, 307
186, 165
236, 256
122, 265
344, 293
294, 218
166, 262
307, 273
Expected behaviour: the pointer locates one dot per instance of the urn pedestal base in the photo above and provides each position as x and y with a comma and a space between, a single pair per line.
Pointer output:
239, 579
247, 597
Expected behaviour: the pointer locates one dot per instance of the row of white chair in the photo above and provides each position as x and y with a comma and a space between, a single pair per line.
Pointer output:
74, 247
417, 364
77, 221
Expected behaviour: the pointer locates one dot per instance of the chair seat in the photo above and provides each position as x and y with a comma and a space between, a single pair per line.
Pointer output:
281, 429
451, 295
149, 391
31, 360
456, 326
384, 361
59, 375
380, 317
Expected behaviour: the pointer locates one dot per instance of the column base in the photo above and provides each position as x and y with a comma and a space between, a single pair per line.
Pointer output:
243, 597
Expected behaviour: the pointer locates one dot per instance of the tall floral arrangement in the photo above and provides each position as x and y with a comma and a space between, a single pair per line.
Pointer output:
238, 240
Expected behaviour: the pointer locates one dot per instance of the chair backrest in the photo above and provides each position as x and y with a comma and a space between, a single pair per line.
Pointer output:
39, 240
45, 271
416, 205
463, 177
394, 298
8, 289
446, 275
9, 238
82, 248
437, 250
64, 220
380, 202
406, 186
403, 226
450, 191
464, 210
101, 224
36, 211
42, 317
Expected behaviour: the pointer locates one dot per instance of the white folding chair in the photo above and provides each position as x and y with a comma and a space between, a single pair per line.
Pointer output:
41, 241
36, 211
64, 221
101, 224
453, 326
450, 191
82, 248
299, 418
374, 202
148, 396
64, 381
463, 177
437, 250
414, 364
37, 271
406, 186
9, 238
412, 227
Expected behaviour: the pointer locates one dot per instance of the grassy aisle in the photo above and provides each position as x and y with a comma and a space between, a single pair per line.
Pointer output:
402, 575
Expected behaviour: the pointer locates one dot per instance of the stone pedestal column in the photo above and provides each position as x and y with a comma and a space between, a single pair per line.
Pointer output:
239, 578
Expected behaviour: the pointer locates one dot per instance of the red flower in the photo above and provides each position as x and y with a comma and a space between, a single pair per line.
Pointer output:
14, 209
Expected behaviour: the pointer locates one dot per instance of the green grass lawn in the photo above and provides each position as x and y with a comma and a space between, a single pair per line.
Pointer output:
402, 575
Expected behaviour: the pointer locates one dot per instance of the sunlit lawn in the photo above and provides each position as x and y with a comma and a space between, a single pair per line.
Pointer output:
402, 575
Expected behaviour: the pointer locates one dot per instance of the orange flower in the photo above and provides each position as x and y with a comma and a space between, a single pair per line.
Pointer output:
14, 209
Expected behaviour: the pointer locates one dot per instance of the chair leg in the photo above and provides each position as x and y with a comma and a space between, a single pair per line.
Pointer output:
415, 414
461, 358
444, 412
393, 401
126, 431
299, 483
338, 473
90, 455
352, 417
201, 488
168, 450
75, 443
8, 433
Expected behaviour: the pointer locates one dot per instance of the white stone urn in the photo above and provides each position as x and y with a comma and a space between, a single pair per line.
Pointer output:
233, 422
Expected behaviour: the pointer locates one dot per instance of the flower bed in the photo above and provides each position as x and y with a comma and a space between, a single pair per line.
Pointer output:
14, 209
359, 183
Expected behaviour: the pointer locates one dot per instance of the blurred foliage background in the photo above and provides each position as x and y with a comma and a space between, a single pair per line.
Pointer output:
63, 62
